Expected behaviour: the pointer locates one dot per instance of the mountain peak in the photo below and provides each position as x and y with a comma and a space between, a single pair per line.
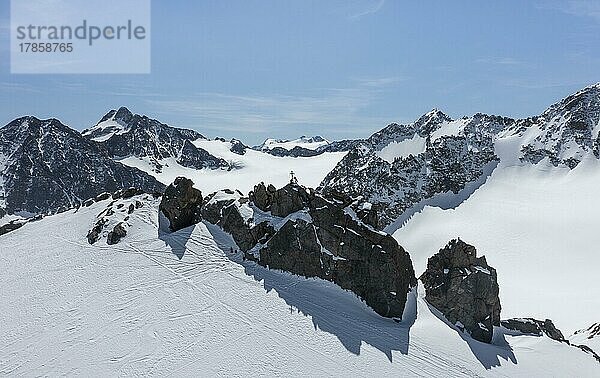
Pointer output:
122, 114
434, 115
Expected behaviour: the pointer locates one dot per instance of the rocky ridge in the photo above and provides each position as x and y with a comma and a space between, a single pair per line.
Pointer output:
47, 167
124, 134
439, 161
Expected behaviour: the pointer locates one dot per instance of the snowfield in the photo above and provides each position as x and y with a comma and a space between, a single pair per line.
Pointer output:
181, 305
252, 168
538, 226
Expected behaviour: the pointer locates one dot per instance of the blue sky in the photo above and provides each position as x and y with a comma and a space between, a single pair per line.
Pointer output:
341, 69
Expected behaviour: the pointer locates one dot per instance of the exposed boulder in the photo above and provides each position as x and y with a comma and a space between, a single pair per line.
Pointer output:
94, 234
181, 204
535, 327
464, 288
116, 234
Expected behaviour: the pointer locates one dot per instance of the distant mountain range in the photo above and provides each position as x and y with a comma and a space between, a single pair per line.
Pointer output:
439, 161
46, 166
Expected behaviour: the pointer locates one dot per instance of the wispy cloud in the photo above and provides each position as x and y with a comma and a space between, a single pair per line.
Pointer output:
581, 8
18, 87
502, 61
380, 82
336, 109
371, 7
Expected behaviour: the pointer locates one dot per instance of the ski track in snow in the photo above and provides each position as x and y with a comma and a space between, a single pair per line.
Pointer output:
178, 305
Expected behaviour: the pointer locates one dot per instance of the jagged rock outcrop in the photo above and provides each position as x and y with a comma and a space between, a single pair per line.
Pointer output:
181, 203
330, 243
298, 231
464, 288
262, 196
323, 239
535, 327
237, 147
225, 208
47, 166
113, 221
280, 202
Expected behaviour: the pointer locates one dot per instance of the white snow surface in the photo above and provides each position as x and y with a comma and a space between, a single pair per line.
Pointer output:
402, 149
135, 308
538, 226
253, 167
109, 128
585, 337
452, 128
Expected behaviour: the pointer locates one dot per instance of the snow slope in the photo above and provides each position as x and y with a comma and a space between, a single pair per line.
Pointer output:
252, 168
538, 226
394, 150
135, 308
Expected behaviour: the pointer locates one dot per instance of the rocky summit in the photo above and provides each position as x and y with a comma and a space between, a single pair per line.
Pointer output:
123, 134
181, 204
464, 288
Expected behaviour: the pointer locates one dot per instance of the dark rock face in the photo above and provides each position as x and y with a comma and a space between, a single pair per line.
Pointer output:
534, 327
446, 166
289, 199
11, 226
50, 167
293, 152
194, 157
181, 204
321, 238
94, 234
238, 147
280, 202
464, 288
116, 234
329, 243
225, 213
262, 196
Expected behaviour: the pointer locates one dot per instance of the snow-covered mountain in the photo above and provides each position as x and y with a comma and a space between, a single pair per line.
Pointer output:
304, 146
439, 161
125, 134
309, 143
46, 166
